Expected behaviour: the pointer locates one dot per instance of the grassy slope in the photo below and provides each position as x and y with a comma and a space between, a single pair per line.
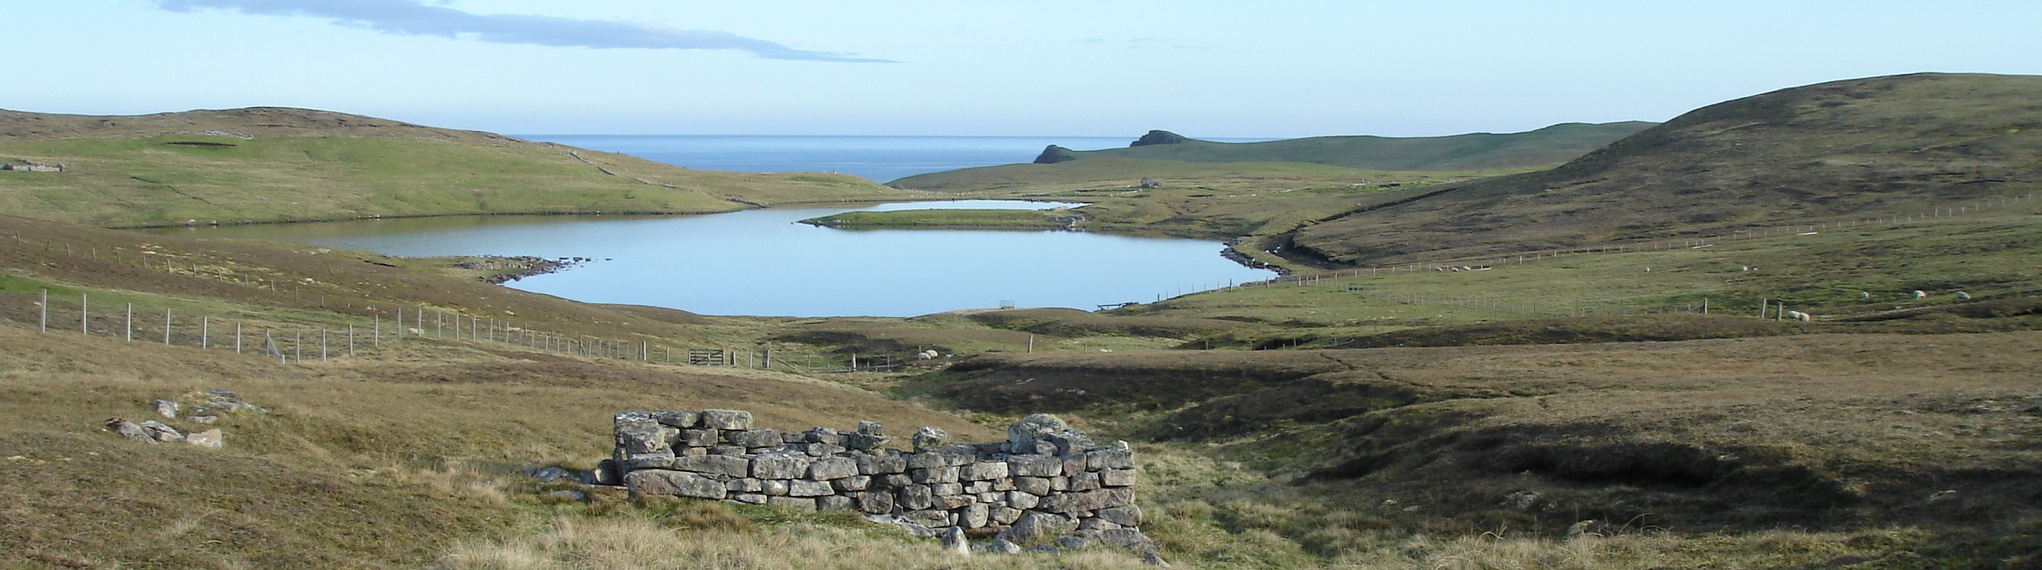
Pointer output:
302, 167
1834, 151
1475, 151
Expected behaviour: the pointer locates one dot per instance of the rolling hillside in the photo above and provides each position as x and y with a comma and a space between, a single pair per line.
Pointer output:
1829, 152
278, 164
1473, 151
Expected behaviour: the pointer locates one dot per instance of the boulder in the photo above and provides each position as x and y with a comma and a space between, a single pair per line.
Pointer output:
955, 543
1036, 427
677, 419
160, 432
780, 466
726, 465
128, 429
209, 439
832, 468
1033, 528
167, 408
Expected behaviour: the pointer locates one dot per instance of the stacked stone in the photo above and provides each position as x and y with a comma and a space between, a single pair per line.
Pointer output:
1045, 480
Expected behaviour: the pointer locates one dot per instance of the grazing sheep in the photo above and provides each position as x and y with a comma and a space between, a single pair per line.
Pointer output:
1962, 296
1864, 294
1799, 316
1920, 294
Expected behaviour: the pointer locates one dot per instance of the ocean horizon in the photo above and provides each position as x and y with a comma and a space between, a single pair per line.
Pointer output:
879, 158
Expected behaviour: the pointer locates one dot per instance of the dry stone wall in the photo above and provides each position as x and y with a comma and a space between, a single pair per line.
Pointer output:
1047, 480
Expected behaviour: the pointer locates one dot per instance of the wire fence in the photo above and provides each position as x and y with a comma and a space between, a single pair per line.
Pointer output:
297, 342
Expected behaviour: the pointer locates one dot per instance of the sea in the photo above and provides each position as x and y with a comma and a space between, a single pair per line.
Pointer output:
880, 159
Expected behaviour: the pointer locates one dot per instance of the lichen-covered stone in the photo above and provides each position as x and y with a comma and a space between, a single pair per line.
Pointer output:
807, 488
677, 419
754, 438
1117, 477
934, 475
852, 483
1036, 427
869, 464
1034, 466
1130, 515
835, 503
916, 497
985, 470
673, 483
832, 468
930, 439
780, 466
727, 419
1035, 528
974, 515
726, 465
1109, 458
875, 502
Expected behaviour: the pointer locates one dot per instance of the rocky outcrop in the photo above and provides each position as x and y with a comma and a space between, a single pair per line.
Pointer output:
1158, 137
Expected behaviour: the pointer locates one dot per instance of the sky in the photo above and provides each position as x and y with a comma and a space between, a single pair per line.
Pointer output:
1205, 69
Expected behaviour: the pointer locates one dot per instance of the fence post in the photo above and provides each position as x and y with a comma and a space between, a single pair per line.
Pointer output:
377, 336
1763, 304
130, 323
350, 339
237, 337
166, 327
322, 344
205, 331
298, 345
83, 311
46, 311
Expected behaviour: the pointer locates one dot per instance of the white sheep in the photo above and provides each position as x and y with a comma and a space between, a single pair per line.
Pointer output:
1864, 294
1962, 296
1920, 294
1799, 316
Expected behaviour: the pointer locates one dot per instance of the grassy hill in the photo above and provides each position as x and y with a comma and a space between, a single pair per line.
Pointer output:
1844, 150
275, 164
1474, 151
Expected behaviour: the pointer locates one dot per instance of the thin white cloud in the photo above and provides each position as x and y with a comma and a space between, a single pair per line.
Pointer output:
413, 17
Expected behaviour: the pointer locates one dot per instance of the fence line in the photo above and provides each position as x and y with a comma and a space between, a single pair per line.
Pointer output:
290, 342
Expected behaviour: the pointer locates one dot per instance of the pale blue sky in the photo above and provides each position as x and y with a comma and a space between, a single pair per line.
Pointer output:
1041, 67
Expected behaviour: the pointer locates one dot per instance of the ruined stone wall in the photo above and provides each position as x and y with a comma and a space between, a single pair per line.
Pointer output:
1045, 480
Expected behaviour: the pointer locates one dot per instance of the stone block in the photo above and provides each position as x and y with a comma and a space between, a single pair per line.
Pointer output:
727, 449
1074, 465
744, 485
1071, 442
1130, 515
946, 489
691, 451
954, 502
959, 455
780, 466
774, 487
1059, 484
932, 518
896, 480
978, 486
864, 441
1084, 482
807, 488
750, 498
823, 449
934, 475
803, 503
727, 419
1117, 477
990, 498
608, 472
1023, 501
852, 483
1034, 466
677, 419
1037, 486
875, 502
930, 439
674, 483
924, 460
1094, 500
822, 435
754, 438
985, 470
915, 497
881, 464
1006, 515
698, 437
974, 515
639, 434
1003, 484
725, 465
1036, 427
1109, 458
835, 503
663, 459
793, 437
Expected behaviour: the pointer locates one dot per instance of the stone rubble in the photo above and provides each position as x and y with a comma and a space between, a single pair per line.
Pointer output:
1047, 485
217, 401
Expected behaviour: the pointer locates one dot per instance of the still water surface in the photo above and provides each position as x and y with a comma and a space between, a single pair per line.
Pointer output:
760, 262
